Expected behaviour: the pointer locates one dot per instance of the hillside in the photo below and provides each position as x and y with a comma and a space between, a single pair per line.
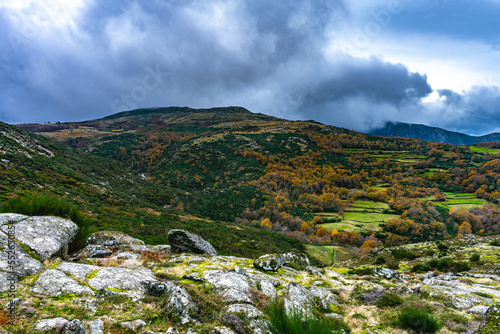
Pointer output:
433, 134
112, 195
339, 191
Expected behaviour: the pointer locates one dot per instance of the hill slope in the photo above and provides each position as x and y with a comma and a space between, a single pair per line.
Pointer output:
317, 183
433, 134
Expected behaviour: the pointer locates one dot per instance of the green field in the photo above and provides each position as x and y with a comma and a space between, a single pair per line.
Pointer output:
324, 254
461, 200
363, 215
485, 150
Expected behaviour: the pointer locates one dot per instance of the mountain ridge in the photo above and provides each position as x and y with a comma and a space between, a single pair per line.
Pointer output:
431, 133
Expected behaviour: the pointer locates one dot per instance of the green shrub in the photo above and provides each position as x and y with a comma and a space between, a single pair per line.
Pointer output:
420, 268
297, 323
495, 243
430, 252
433, 263
380, 260
360, 271
418, 320
46, 205
403, 254
475, 257
442, 247
392, 264
447, 264
389, 300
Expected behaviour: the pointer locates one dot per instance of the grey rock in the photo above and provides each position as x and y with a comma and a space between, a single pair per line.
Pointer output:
233, 287
240, 271
24, 264
427, 276
267, 288
49, 324
27, 310
46, 236
78, 270
223, 330
272, 262
259, 327
10, 218
96, 327
54, 283
160, 248
251, 312
478, 310
74, 327
371, 297
133, 325
323, 297
298, 299
121, 278
172, 330
98, 252
386, 273
159, 288
185, 242
7, 281
112, 238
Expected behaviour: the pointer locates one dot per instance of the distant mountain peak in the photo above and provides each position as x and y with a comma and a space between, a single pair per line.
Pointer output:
431, 133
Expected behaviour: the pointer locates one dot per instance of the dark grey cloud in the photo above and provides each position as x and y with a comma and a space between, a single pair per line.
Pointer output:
270, 57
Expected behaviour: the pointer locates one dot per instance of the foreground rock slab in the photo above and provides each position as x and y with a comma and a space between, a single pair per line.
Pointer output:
273, 262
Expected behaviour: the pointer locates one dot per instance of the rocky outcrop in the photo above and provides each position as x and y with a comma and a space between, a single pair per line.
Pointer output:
299, 300
50, 324
184, 242
11, 218
46, 236
272, 262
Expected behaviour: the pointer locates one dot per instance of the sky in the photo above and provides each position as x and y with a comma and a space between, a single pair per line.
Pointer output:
349, 63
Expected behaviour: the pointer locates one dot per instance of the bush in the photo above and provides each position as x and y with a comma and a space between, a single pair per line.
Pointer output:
495, 243
389, 300
380, 260
442, 247
360, 271
296, 323
420, 268
45, 205
447, 264
433, 264
403, 254
392, 264
418, 320
430, 252
475, 257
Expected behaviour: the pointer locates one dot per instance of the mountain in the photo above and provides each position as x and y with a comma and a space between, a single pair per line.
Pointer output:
433, 134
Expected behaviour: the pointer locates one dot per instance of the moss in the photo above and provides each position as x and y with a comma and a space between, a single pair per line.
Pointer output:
29, 251
493, 324
91, 275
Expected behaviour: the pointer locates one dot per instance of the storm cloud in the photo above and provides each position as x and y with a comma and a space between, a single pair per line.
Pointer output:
89, 59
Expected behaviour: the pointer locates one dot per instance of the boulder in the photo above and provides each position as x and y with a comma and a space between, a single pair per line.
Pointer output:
46, 236
267, 288
233, 287
272, 262
386, 273
133, 325
11, 218
54, 283
5, 283
481, 310
371, 297
298, 300
46, 325
96, 327
185, 242
491, 321
73, 327
24, 264
323, 297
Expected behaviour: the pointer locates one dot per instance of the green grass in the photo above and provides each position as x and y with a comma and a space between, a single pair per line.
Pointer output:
485, 150
418, 320
45, 205
279, 322
326, 255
